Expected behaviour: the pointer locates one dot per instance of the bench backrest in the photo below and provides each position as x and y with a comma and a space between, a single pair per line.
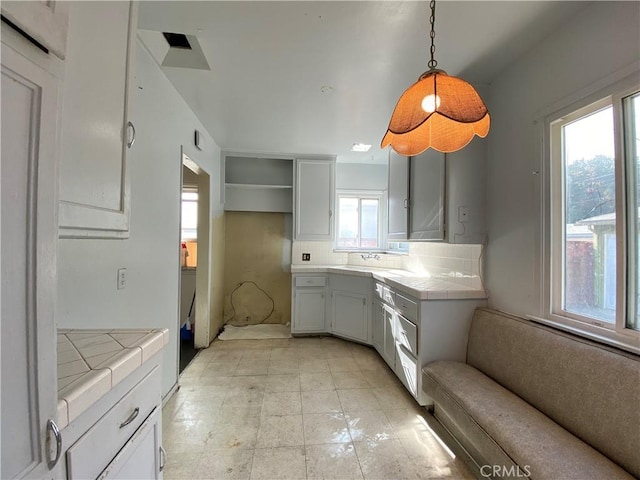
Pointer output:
590, 389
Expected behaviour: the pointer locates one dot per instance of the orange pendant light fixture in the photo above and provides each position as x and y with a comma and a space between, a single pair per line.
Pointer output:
438, 111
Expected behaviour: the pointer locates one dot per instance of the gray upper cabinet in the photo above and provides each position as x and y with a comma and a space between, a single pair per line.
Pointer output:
438, 197
314, 199
416, 196
426, 196
96, 132
398, 191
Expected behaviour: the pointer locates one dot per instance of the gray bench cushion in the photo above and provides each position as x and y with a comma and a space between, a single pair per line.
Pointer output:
590, 389
502, 426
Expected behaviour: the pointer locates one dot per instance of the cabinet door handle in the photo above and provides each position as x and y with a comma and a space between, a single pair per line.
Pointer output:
53, 428
133, 134
131, 418
163, 457
406, 203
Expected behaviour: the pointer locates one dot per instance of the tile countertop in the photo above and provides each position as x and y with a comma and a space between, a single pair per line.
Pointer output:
420, 287
91, 362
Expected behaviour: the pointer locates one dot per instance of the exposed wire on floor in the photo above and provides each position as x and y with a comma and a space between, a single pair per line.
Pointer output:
233, 308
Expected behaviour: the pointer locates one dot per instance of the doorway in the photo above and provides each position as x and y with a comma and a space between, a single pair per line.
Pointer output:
194, 311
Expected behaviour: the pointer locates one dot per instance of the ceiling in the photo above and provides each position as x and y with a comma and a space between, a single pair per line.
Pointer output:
271, 63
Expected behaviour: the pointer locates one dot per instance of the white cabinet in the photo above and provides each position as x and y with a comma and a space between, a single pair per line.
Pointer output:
45, 22
416, 196
309, 304
436, 197
96, 131
350, 307
382, 337
257, 183
417, 332
314, 199
426, 196
29, 234
140, 458
398, 194
349, 315
377, 326
120, 435
389, 345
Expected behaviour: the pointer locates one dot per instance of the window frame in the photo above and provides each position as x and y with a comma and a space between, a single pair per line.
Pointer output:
379, 195
551, 253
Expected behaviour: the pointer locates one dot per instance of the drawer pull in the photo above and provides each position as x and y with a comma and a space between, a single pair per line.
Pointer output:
163, 458
51, 425
132, 139
131, 418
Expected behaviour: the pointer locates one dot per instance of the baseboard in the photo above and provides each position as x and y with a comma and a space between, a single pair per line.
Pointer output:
450, 441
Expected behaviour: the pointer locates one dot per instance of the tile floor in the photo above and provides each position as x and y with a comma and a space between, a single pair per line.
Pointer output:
302, 408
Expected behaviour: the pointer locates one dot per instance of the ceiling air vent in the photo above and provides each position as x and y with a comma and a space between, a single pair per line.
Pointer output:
177, 40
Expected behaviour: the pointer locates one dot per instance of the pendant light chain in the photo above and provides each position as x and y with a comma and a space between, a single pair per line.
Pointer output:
432, 63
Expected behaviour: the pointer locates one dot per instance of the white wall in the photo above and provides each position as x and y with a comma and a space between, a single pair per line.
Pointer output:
599, 41
359, 176
87, 268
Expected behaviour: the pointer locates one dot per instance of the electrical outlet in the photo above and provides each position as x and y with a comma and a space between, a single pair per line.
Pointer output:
306, 257
122, 278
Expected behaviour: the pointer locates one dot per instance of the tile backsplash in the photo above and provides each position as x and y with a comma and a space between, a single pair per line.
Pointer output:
321, 253
459, 264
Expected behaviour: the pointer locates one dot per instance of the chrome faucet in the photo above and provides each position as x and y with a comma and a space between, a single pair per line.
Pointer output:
367, 256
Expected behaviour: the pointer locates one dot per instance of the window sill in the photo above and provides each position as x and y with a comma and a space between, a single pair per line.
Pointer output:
628, 341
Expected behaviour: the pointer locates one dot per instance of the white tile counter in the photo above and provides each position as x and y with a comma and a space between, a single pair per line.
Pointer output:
92, 362
420, 287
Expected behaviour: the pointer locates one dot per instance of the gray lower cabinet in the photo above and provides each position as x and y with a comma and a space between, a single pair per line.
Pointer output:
349, 315
417, 332
308, 304
141, 456
120, 436
407, 332
382, 337
377, 326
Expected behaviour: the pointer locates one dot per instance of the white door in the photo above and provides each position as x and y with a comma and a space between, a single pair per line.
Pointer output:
389, 348
28, 244
96, 136
314, 199
377, 326
309, 310
350, 315
427, 175
398, 195
139, 459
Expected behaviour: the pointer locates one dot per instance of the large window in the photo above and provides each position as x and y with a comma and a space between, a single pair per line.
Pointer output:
594, 249
359, 221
